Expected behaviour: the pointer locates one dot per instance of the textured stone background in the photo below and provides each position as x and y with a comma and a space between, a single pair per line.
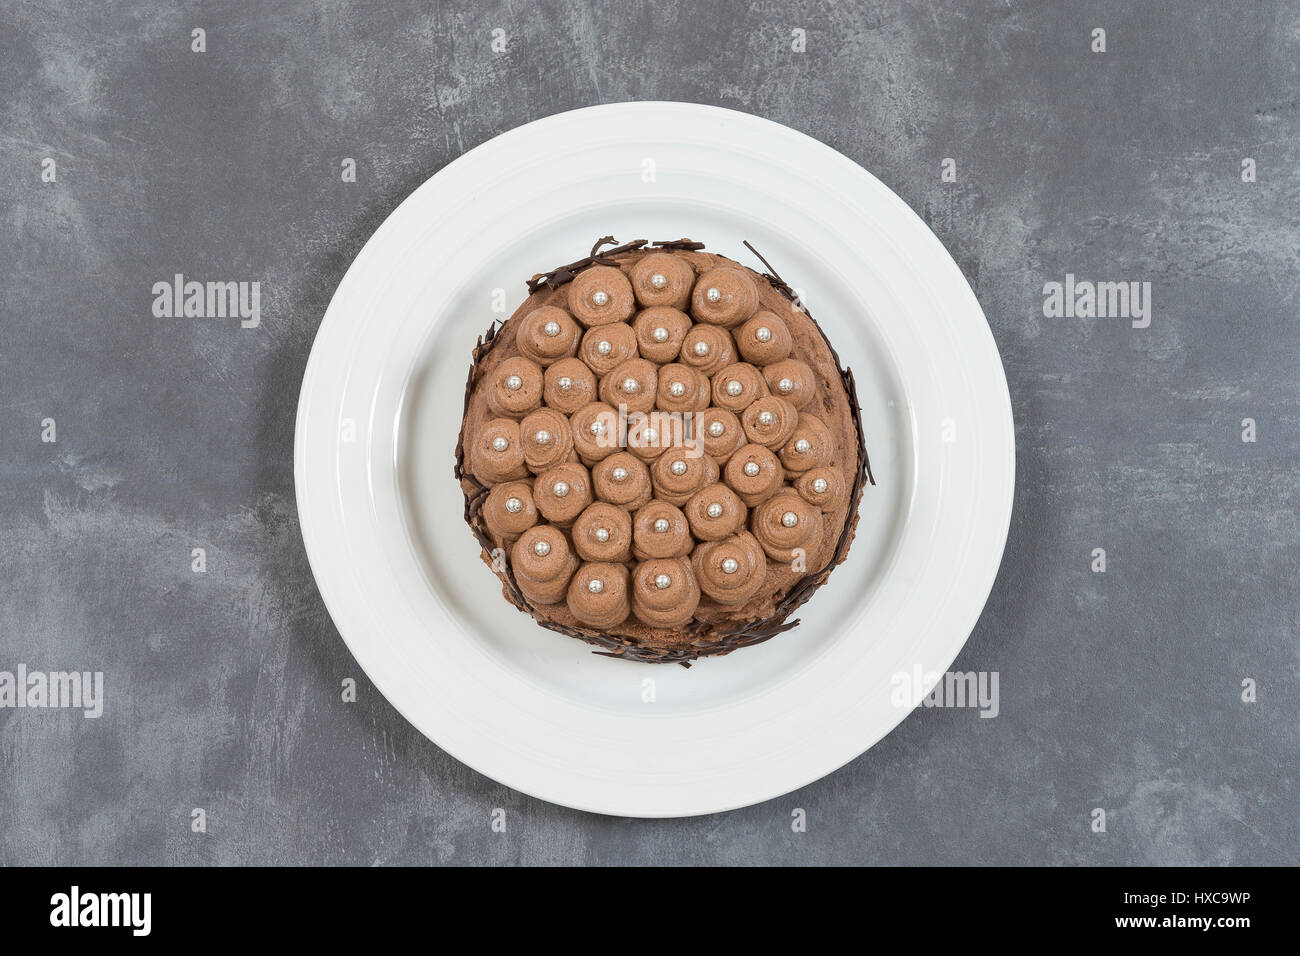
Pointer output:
1119, 690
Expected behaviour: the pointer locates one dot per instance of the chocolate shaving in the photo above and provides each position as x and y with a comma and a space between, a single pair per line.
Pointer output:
684, 245
708, 642
559, 276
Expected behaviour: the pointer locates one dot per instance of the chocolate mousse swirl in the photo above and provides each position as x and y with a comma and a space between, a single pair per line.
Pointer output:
737, 386
708, 348
598, 595
563, 492
600, 295
823, 487
595, 429
731, 570
632, 384
603, 533
568, 385
509, 510
725, 296
515, 389
784, 523
650, 434
719, 431
682, 389
622, 479
547, 334
546, 438
607, 346
754, 473
660, 332
660, 530
764, 339
664, 592
497, 452
543, 563
810, 445
770, 421
661, 279
715, 511
792, 380
677, 474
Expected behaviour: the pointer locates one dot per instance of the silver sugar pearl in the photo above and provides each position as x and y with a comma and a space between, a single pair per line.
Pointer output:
662, 581
543, 437
734, 388
551, 328
714, 510
820, 485
564, 383
803, 446
619, 474
514, 505
659, 280
661, 525
650, 436
604, 347
560, 489
766, 418
678, 468
600, 297
602, 535
784, 386
595, 585
597, 428
752, 469
701, 348
631, 385
677, 389
716, 429
659, 335
542, 549
789, 519
713, 295
730, 565
763, 334
500, 444
514, 383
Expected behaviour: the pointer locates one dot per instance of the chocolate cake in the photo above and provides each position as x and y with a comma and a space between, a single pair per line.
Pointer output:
661, 454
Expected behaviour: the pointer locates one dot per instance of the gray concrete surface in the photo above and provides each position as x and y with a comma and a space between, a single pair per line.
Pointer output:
1120, 691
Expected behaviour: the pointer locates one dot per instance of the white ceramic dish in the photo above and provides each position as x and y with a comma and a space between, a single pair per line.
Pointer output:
382, 515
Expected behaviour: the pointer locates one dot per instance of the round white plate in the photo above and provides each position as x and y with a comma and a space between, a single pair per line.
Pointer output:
400, 572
